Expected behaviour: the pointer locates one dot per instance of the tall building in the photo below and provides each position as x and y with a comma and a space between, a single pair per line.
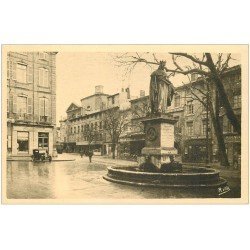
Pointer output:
31, 102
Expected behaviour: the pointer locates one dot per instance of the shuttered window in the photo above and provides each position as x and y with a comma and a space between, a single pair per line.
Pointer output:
21, 73
43, 77
44, 109
13, 104
22, 105
43, 56
13, 70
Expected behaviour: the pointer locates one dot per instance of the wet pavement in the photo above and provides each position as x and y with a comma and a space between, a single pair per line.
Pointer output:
80, 179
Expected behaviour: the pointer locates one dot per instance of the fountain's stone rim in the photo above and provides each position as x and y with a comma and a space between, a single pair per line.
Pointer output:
221, 183
209, 181
132, 171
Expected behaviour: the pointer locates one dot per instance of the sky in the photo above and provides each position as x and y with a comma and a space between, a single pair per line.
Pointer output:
79, 72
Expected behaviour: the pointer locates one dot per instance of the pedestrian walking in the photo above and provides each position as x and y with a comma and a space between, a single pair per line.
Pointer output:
81, 153
90, 154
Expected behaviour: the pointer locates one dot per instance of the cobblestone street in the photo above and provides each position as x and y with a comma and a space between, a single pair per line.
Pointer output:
83, 180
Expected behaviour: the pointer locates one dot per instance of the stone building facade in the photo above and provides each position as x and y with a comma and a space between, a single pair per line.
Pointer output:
31, 102
88, 117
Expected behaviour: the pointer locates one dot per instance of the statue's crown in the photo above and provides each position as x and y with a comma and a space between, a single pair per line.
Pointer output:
162, 65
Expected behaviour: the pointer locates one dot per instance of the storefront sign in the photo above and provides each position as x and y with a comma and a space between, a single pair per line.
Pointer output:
235, 138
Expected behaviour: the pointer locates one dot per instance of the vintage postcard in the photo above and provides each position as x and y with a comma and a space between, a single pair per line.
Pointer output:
125, 124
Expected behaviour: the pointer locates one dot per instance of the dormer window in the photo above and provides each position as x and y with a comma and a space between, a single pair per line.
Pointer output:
43, 56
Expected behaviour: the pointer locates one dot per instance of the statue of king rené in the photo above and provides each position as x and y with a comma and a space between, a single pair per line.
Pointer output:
161, 91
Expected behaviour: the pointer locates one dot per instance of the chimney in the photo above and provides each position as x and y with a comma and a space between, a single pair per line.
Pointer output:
142, 93
98, 89
128, 93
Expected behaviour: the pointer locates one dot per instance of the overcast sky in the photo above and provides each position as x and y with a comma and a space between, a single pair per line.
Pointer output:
79, 72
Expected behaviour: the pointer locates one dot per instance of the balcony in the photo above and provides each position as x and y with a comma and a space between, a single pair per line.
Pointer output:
27, 118
45, 120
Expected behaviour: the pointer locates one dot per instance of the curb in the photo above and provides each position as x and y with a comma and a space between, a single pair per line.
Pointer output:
46, 161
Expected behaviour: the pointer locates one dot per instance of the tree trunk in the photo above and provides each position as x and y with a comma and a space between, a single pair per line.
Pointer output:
113, 150
219, 133
223, 95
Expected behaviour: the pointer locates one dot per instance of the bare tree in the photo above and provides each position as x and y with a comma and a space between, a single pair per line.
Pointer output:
204, 67
115, 122
89, 134
211, 74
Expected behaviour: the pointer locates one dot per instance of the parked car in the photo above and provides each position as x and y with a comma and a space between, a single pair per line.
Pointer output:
41, 155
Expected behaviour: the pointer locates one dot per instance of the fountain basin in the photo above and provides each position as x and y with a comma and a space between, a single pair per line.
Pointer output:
197, 178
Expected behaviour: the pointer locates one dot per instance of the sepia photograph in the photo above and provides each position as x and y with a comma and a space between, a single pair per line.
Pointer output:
124, 124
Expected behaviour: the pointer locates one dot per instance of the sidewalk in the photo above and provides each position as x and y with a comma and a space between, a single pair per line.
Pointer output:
27, 158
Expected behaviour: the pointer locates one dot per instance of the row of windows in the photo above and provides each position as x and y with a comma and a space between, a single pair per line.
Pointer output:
96, 116
97, 137
190, 106
24, 74
86, 127
226, 126
22, 105
190, 110
190, 127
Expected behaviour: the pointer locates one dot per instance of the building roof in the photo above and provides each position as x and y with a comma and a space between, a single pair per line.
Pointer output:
96, 94
73, 106
113, 95
140, 98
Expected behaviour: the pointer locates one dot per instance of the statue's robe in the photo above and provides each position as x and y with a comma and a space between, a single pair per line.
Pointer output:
161, 92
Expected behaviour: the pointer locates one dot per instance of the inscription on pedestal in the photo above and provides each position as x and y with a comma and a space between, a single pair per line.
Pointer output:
167, 135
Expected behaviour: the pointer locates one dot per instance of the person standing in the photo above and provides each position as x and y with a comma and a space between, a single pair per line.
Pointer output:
90, 154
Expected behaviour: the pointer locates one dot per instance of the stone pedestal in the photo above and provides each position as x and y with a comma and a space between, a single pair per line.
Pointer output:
159, 139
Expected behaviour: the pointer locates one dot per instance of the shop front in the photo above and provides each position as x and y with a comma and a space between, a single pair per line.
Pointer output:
84, 147
23, 139
195, 150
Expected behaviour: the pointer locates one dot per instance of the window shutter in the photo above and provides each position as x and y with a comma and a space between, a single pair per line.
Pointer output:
30, 74
14, 71
46, 107
41, 77
11, 103
41, 107
46, 78
29, 106
14, 103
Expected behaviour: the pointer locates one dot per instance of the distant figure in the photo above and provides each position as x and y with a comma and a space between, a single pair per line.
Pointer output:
81, 153
90, 154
